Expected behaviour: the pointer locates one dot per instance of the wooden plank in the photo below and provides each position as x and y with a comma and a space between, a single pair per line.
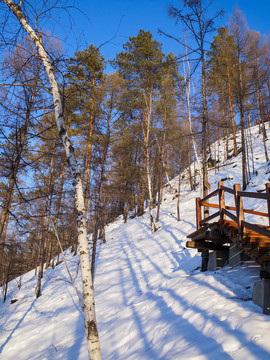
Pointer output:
205, 245
230, 215
213, 193
210, 205
254, 195
209, 218
197, 232
263, 230
259, 242
221, 200
230, 208
255, 212
200, 234
259, 238
239, 208
192, 244
227, 189
267, 187
252, 232
198, 213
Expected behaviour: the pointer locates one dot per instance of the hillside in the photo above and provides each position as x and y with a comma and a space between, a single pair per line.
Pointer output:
152, 300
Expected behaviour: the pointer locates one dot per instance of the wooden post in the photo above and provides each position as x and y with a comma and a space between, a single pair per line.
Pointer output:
198, 213
221, 200
267, 186
239, 209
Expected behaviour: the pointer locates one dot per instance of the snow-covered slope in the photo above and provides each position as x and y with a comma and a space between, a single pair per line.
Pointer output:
152, 300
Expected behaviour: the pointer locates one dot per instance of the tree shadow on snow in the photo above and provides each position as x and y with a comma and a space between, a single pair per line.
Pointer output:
175, 322
17, 326
167, 318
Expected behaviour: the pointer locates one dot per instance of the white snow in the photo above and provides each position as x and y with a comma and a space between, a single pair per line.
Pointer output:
152, 301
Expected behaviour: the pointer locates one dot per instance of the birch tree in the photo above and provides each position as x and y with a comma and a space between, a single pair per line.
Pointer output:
194, 17
187, 88
88, 290
149, 106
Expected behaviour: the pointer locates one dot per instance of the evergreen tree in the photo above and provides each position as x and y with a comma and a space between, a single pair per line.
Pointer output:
221, 64
85, 73
141, 64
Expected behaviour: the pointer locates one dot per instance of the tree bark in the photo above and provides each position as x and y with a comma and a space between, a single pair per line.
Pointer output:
242, 124
88, 166
232, 112
88, 290
187, 83
148, 165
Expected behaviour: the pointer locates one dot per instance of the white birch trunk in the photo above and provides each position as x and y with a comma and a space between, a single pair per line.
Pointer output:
187, 83
88, 290
148, 166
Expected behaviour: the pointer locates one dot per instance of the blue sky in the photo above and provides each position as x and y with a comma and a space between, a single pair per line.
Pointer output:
98, 21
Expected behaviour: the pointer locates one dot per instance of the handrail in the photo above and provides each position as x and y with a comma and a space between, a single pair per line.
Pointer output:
238, 208
256, 228
254, 212
210, 217
233, 217
213, 193
225, 188
254, 195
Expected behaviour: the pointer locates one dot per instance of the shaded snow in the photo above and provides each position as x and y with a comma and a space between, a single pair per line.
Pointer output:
152, 300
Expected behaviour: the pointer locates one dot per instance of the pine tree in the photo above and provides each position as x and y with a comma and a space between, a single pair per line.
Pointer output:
85, 72
221, 64
140, 64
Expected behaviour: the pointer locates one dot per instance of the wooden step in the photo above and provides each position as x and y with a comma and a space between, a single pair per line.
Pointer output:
205, 245
200, 233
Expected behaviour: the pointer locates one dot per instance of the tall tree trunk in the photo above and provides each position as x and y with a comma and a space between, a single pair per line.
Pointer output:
242, 124
204, 114
148, 165
178, 192
232, 112
250, 141
161, 170
261, 121
44, 231
192, 182
88, 290
88, 166
41, 263
187, 86
247, 155
99, 216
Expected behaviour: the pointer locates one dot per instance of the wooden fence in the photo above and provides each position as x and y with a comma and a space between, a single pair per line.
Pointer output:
238, 216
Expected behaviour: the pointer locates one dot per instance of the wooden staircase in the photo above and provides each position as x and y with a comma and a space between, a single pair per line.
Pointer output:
231, 228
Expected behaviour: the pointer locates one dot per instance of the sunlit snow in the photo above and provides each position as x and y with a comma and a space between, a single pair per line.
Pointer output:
152, 301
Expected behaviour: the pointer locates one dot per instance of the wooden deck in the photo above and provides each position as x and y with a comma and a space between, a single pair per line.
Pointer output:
230, 226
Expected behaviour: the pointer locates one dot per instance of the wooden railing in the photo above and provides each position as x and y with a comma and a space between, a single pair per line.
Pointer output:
239, 216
